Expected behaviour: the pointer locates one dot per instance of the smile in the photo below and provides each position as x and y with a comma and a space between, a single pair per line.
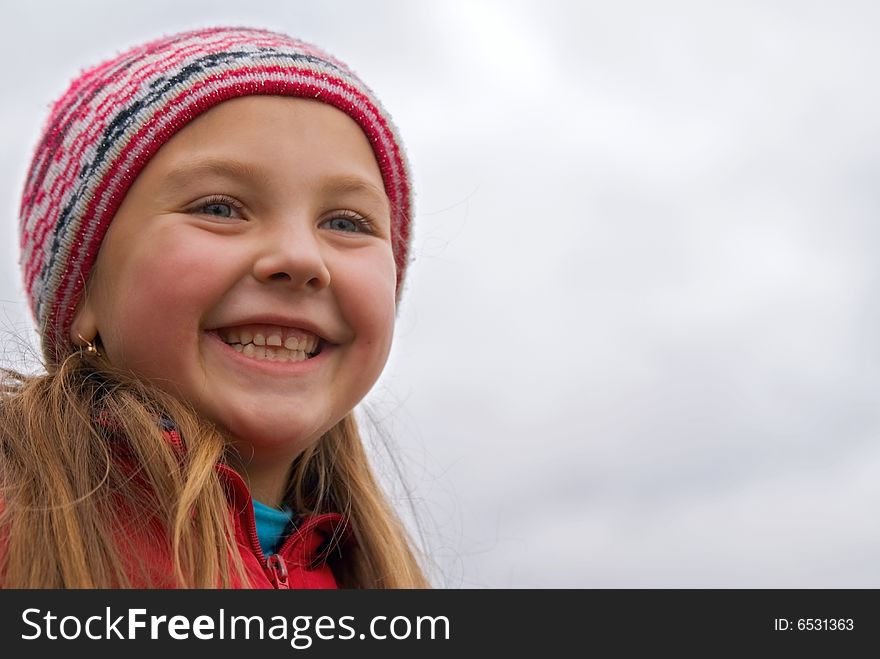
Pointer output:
271, 342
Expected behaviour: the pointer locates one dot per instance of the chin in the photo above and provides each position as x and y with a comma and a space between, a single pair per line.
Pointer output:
277, 439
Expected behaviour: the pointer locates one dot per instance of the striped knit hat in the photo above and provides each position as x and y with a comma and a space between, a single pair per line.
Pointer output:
116, 116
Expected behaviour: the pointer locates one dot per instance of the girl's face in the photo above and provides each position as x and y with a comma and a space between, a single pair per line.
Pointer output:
259, 229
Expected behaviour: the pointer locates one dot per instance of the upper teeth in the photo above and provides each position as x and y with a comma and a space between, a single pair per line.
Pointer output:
290, 339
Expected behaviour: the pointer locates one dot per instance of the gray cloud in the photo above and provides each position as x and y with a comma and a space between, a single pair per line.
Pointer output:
638, 342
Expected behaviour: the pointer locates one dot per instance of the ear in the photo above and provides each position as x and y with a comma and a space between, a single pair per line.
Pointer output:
84, 327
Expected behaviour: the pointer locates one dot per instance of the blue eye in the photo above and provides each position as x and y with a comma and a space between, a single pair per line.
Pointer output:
349, 222
343, 224
220, 207
220, 210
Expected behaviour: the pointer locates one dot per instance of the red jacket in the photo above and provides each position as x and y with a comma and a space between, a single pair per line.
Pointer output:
301, 561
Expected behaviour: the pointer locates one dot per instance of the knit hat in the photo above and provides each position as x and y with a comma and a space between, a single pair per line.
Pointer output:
116, 116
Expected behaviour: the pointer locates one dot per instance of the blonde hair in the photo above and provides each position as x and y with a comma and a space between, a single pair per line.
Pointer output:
85, 468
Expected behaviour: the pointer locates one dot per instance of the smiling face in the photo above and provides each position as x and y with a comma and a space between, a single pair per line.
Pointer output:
249, 271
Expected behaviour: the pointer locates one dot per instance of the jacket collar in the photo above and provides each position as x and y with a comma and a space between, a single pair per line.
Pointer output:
314, 538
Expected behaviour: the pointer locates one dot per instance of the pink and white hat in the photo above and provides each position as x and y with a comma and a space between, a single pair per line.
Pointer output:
116, 116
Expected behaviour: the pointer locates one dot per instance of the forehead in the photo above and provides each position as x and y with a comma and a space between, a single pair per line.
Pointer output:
275, 137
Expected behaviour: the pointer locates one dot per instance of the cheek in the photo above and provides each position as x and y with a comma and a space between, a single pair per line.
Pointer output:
367, 298
153, 306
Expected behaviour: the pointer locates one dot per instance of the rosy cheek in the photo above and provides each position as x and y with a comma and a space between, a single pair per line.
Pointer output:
371, 300
149, 309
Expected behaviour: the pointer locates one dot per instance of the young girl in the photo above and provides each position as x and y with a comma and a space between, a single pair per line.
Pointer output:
214, 232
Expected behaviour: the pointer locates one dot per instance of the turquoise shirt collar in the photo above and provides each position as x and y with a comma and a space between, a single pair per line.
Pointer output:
273, 526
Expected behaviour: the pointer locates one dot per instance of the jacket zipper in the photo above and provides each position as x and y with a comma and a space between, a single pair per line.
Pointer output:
279, 572
274, 566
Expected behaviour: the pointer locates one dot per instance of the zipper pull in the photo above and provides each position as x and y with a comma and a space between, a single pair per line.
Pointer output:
279, 571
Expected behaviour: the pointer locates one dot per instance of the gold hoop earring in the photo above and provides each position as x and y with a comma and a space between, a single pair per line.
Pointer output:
91, 349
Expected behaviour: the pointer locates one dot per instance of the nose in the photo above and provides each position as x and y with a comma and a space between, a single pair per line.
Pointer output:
293, 256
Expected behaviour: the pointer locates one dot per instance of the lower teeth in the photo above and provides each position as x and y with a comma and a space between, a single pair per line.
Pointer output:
264, 353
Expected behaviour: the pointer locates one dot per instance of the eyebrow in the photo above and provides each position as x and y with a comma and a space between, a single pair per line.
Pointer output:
342, 184
178, 177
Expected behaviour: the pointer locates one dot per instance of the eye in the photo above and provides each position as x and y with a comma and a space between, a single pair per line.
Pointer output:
222, 210
349, 222
219, 207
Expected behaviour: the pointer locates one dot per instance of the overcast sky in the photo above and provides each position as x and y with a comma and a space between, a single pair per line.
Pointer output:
639, 343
